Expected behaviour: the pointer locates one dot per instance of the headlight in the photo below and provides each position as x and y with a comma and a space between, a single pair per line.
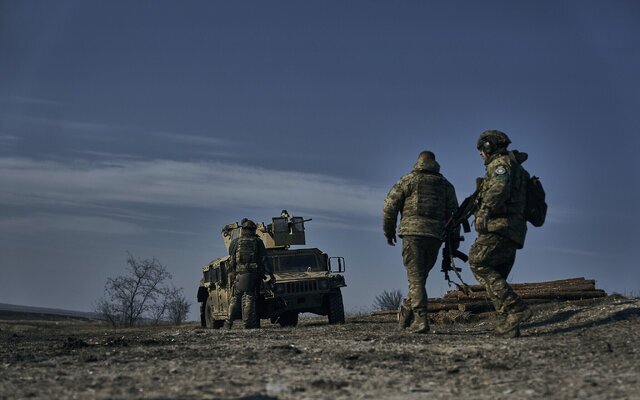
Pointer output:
323, 285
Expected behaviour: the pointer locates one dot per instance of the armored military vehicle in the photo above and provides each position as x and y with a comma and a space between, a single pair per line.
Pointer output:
307, 279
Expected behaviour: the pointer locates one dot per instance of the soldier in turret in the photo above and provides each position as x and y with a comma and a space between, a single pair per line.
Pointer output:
502, 227
249, 264
425, 199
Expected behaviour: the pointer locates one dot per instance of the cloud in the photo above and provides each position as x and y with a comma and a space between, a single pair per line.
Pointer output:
30, 100
174, 232
7, 140
107, 155
73, 128
191, 139
202, 185
107, 132
56, 223
559, 214
571, 251
360, 224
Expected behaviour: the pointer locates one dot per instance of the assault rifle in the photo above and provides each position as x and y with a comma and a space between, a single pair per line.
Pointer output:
450, 250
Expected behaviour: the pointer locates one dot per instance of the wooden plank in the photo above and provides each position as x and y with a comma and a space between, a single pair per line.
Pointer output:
585, 294
573, 284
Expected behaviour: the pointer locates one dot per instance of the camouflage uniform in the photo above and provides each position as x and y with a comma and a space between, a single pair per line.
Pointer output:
425, 200
502, 201
248, 263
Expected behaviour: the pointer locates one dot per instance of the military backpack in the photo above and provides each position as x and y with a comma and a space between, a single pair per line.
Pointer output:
536, 208
246, 250
535, 211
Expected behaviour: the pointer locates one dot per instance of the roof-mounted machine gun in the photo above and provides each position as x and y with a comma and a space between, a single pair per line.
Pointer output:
282, 232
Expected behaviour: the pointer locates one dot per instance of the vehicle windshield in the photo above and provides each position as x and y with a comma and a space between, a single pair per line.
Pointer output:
298, 263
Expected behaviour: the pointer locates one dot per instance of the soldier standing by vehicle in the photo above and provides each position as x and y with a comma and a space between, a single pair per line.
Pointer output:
425, 199
501, 226
249, 262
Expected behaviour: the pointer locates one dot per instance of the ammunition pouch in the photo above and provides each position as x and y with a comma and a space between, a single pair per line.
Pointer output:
247, 282
251, 268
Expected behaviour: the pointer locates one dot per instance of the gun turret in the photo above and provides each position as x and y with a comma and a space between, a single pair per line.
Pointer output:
282, 232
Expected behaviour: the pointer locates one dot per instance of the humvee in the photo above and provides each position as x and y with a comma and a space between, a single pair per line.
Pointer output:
307, 279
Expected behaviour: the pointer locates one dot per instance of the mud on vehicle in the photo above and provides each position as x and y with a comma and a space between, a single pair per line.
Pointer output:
307, 280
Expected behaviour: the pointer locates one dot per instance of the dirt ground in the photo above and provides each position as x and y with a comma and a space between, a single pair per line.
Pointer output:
567, 351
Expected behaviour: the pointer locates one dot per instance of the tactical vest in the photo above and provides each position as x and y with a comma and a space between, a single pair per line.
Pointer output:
427, 201
508, 219
516, 198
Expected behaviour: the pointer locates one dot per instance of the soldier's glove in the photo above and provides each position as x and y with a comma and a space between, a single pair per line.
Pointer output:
391, 239
481, 222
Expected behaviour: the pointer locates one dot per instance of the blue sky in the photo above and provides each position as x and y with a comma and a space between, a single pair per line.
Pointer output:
146, 126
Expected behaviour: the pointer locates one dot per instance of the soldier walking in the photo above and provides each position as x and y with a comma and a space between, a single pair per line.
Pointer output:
249, 262
502, 227
425, 199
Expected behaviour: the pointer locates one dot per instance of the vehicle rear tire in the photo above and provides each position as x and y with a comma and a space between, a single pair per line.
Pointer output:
249, 315
209, 321
288, 319
335, 306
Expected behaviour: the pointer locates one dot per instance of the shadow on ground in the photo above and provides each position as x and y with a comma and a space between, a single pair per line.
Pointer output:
622, 315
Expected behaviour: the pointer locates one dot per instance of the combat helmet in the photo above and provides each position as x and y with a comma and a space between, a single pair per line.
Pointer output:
248, 224
492, 140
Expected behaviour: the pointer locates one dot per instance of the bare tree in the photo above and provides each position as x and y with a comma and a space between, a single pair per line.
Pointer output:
388, 300
178, 306
128, 297
158, 310
171, 305
107, 311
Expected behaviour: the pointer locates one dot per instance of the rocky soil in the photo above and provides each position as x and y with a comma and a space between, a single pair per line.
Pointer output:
567, 351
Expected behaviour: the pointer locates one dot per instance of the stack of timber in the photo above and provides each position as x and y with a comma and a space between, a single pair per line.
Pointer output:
575, 289
532, 293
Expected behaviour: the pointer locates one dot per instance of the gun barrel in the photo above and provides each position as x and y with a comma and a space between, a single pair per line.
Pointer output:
301, 221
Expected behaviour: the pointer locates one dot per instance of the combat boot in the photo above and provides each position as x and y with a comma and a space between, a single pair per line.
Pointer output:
405, 315
420, 322
510, 327
234, 310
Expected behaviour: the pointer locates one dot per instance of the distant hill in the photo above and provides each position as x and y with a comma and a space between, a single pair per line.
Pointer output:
6, 309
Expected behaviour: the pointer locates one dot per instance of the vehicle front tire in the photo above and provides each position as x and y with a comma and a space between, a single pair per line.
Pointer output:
335, 310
